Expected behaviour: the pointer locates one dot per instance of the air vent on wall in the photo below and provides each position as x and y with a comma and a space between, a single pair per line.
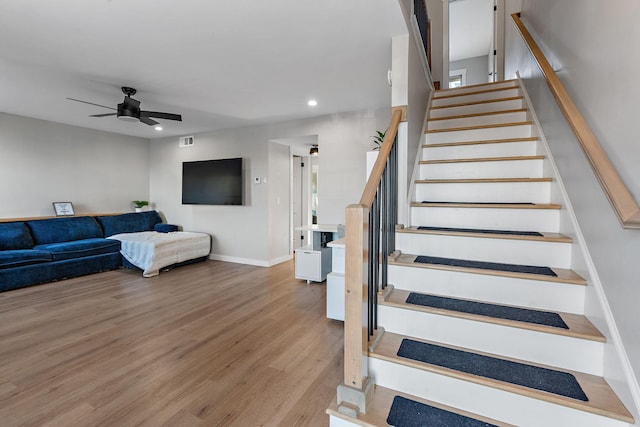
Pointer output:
186, 141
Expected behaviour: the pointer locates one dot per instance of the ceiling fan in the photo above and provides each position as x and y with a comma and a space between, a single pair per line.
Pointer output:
129, 110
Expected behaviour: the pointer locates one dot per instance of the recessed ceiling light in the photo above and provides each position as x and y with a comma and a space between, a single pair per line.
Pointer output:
158, 128
312, 103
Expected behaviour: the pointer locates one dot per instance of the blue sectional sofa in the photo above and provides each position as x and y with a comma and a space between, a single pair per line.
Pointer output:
45, 250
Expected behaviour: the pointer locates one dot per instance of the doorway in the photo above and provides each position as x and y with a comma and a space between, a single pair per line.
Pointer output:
301, 174
474, 45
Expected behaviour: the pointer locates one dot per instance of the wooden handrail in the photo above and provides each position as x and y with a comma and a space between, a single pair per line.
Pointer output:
614, 188
356, 386
376, 172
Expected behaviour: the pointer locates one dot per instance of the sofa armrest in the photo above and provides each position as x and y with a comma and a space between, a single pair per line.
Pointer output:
165, 228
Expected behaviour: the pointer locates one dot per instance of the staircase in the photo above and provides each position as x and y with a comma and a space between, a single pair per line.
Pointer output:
484, 322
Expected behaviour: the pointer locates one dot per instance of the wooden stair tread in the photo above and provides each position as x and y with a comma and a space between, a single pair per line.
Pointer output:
579, 326
602, 400
489, 126
484, 101
450, 89
485, 205
486, 113
481, 159
479, 180
546, 237
562, 275
380, 405
473, 92
480, 142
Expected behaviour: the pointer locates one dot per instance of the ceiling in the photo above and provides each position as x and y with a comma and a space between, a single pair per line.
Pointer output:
470, 28
220, 63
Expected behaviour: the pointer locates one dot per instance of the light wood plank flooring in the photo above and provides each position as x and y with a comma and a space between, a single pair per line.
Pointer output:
210, 344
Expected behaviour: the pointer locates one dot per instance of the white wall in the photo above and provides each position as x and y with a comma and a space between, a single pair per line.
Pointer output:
477, 69
279, 176
43, 162
589, 42
241, 233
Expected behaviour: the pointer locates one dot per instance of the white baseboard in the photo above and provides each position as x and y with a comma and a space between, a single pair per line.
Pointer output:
250, 261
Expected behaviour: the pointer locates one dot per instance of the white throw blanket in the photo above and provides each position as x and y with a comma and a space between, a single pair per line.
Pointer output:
151, 251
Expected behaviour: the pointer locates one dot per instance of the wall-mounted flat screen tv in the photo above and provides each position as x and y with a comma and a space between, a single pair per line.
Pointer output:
212, 182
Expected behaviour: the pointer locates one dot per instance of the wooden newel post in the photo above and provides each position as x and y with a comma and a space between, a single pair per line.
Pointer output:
354, 393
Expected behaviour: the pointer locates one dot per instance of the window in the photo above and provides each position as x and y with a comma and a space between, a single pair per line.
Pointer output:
457, 78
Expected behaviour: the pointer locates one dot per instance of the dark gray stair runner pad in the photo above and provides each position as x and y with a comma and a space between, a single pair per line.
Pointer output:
483, 231
409, 413
534, 377
515, 268
490, 310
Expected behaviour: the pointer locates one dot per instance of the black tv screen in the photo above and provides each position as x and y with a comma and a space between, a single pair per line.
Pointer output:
212, 182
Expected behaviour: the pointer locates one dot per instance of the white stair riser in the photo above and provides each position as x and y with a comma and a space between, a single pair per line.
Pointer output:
483, 96
490, 119
502, 149
510, 251
475, 88
500, 132
537, 347
511, 104
487, 401
543, 220
494, 169
504, 192
535, 294
340, 422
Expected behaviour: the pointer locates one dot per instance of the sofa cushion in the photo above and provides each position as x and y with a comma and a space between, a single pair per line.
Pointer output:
15, 235
58, 230
129, 222
165, 228
80, 248
22, 257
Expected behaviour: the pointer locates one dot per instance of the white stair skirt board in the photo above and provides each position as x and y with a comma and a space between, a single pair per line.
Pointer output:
485, 119
474, 88
480, 95
549, 349
543, 220
535, 294
479, 134
526, 168
482, 107
487, 401
508, 251
498, 149
503, 192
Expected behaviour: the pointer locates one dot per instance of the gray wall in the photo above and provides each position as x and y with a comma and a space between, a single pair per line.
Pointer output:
43, 162
249, 233
588, 43
477, 69
279, 184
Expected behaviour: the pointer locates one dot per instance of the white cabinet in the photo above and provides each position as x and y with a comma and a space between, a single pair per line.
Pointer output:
335, 282
312, 264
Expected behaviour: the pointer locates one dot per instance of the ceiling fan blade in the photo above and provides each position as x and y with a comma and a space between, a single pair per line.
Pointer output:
148, 121
159, 115
90, 103
103, 115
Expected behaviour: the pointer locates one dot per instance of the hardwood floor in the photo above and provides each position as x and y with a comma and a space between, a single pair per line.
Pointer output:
210, 344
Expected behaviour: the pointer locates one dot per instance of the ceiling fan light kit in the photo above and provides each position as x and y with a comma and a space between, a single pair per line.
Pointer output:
129, 110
